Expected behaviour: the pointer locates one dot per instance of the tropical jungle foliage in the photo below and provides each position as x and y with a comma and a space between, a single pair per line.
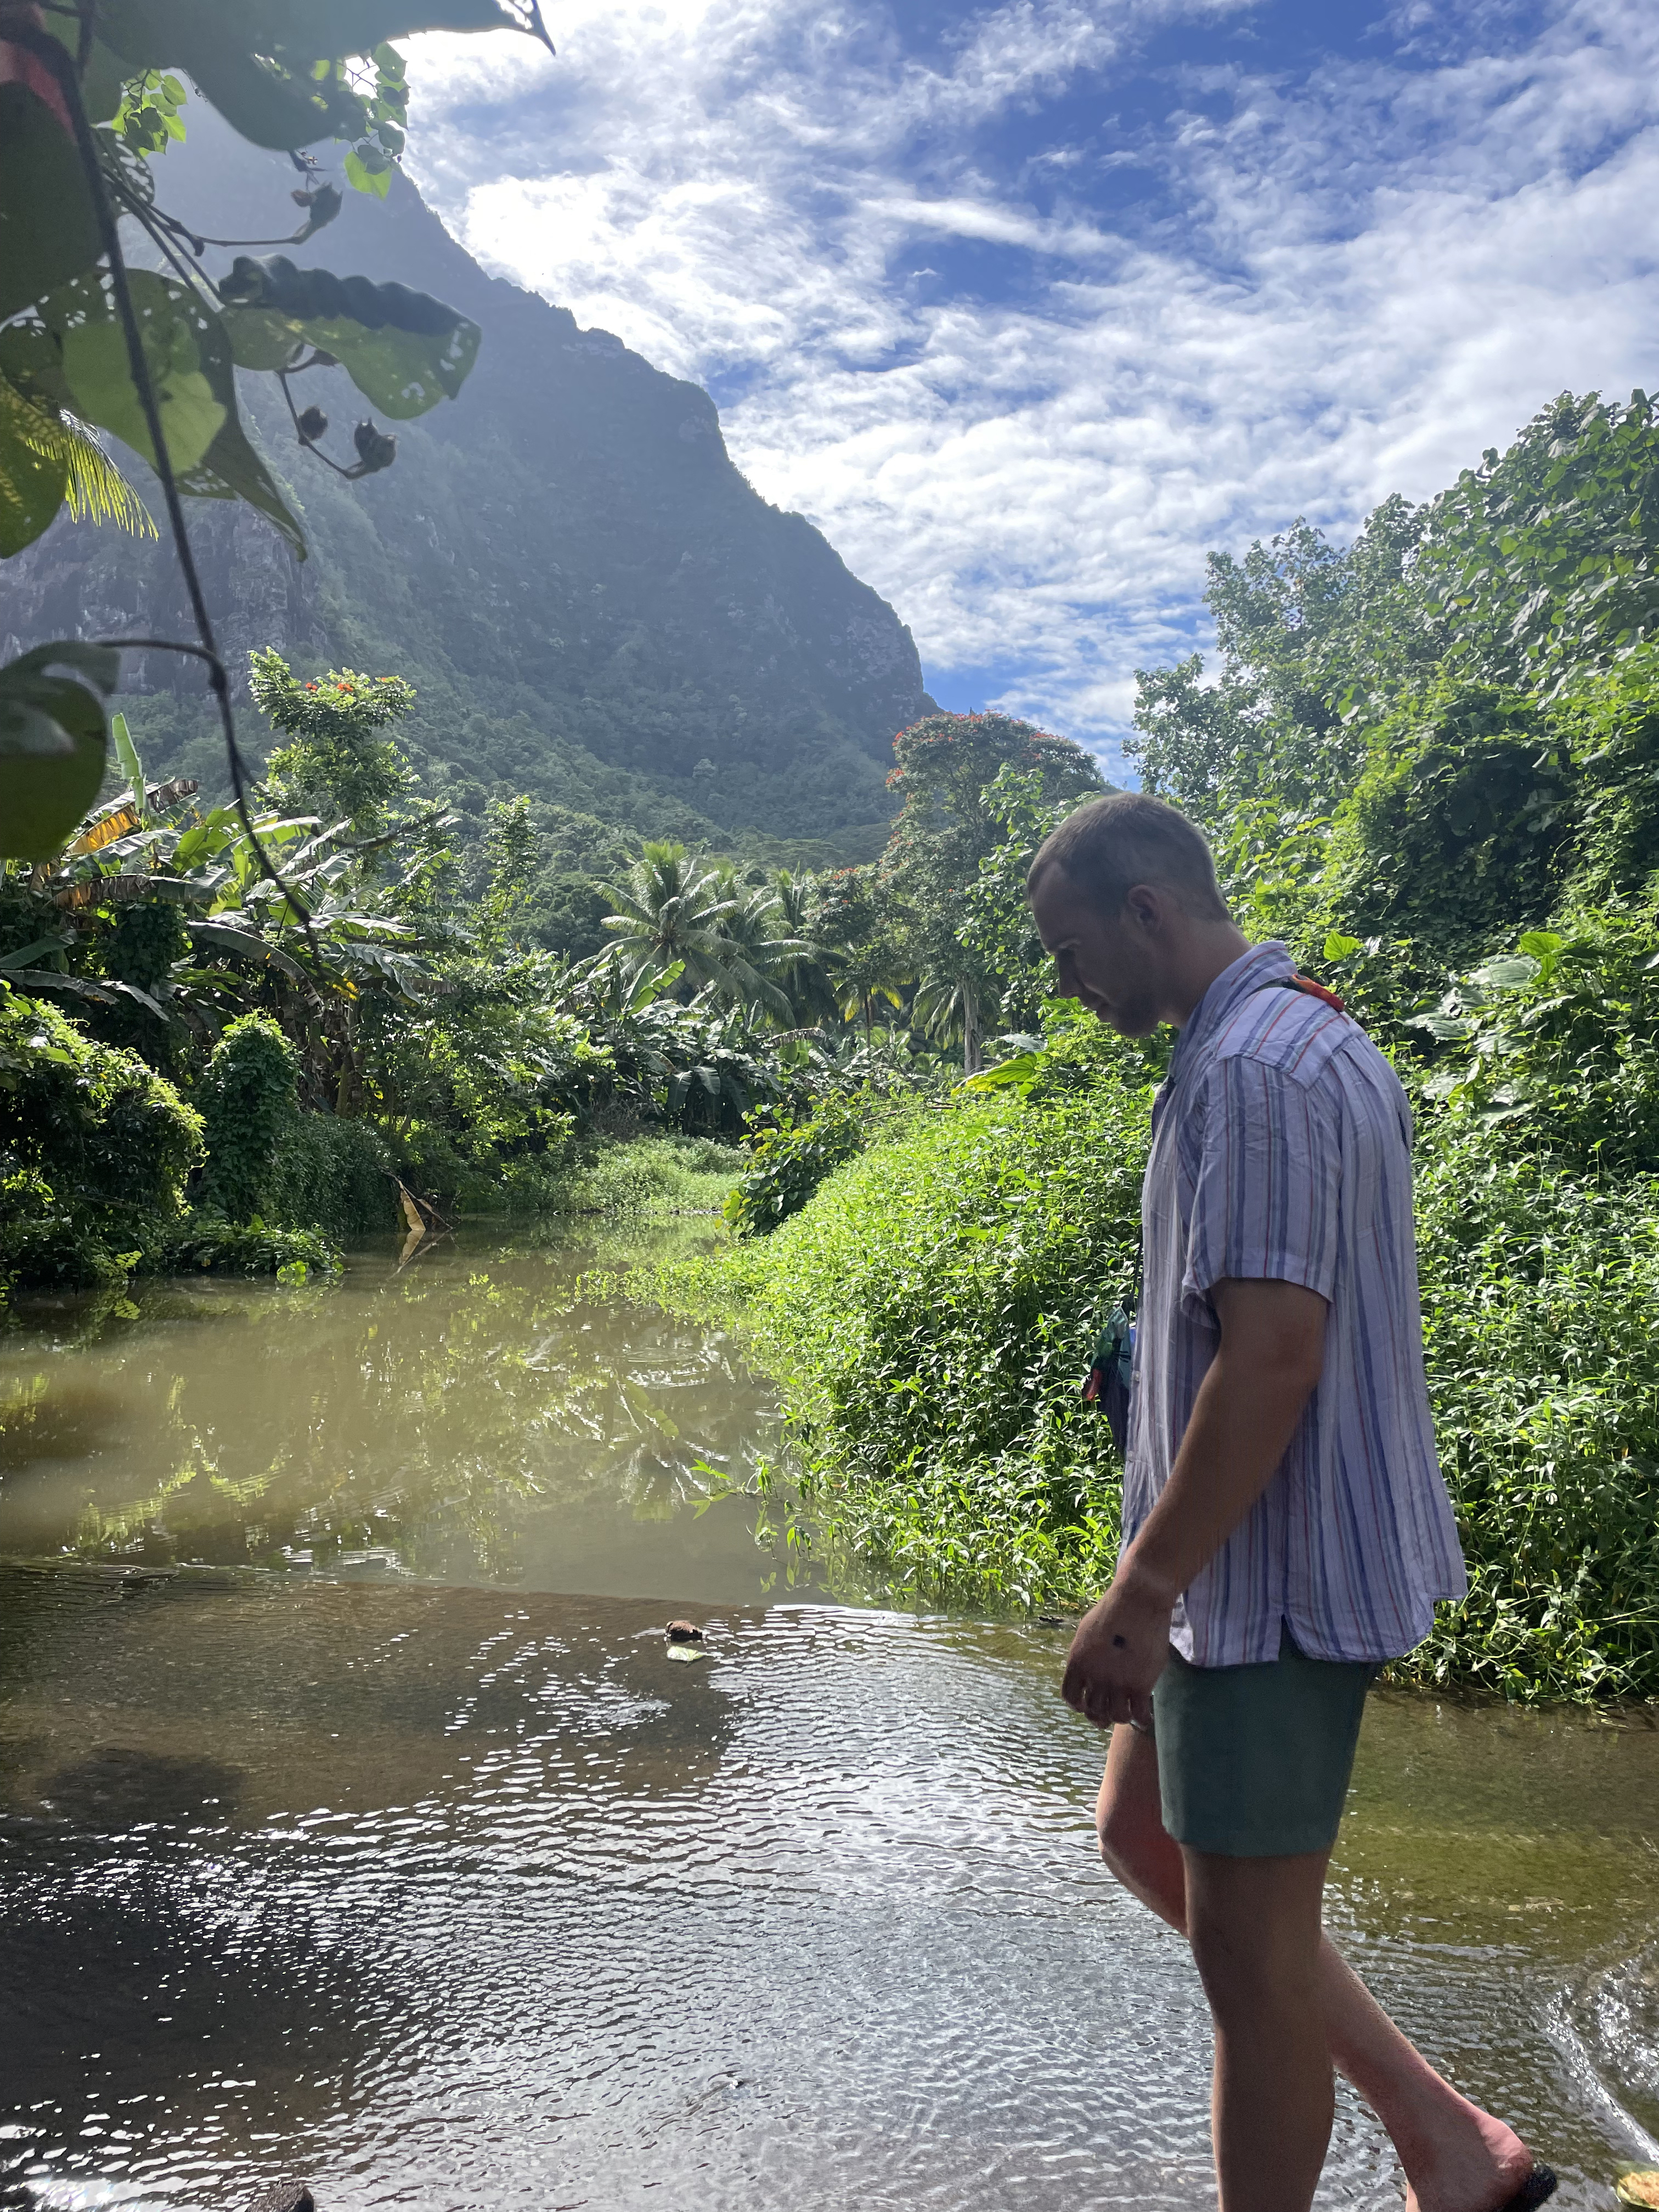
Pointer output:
1428, 761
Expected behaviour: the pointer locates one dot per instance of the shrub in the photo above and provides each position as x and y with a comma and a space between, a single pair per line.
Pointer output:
1559, 1040
95, 1148
249, 1102
332, 1174
1462, 820
652, 1175
929, 1313
789, 1160
224, 1247
1538, 1294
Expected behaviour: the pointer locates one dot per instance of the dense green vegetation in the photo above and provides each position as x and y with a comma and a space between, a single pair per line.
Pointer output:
371, 1015
1429, 761
376, 1011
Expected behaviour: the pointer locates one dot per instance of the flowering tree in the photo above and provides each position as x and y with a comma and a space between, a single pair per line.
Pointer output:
334, 765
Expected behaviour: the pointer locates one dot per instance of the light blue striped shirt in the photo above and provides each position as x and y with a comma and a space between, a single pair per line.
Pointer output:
1281, 1151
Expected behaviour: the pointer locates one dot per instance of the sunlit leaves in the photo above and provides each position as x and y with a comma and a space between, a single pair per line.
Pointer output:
256, 63
33, 470
368, 170
149, 115
1546, 560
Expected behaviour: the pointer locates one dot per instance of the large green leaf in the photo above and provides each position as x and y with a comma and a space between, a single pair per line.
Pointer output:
51, 743
191, 363
243, 944
230, 56
48, 228
30, 359
177, 334
403, 350
126, 754
261, 340
252, 61
231, 469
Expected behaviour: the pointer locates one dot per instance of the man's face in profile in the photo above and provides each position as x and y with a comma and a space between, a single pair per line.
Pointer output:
1110, 965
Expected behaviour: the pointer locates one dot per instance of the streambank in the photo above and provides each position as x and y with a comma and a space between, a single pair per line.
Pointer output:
927, 1315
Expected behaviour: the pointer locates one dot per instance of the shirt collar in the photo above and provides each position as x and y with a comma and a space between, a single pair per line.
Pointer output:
1263, 963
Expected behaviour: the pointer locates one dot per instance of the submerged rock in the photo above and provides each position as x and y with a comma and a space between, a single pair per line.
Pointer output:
686, 1641
285, 2197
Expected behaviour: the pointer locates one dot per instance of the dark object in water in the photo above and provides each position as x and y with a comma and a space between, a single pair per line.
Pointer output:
285, 2197
1539, 2186
685, 1632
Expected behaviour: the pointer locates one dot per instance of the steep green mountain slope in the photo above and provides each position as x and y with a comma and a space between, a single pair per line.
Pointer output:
593, 604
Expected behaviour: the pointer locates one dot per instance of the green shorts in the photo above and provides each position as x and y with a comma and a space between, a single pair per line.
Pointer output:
1254, 1762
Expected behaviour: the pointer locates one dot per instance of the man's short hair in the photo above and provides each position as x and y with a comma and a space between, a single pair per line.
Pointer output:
1110, 844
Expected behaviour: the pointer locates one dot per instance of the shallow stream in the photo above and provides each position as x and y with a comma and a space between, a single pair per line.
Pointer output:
357, 1823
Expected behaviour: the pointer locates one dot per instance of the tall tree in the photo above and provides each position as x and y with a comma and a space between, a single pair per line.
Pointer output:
669, 908
333, 765
944, 767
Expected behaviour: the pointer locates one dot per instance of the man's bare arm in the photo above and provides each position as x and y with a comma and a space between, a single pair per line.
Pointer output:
1272, 1350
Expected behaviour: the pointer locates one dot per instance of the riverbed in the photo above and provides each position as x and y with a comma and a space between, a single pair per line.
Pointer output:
359, 1823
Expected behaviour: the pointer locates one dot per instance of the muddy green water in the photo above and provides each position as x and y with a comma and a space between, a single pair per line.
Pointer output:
387, 1846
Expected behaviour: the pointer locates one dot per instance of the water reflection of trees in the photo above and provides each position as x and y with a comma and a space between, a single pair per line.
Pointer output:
414, 1417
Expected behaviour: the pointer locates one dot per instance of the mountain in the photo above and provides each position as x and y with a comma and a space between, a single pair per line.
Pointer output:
592, 603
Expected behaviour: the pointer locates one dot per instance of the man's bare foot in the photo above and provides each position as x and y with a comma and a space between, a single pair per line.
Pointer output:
1478, 2175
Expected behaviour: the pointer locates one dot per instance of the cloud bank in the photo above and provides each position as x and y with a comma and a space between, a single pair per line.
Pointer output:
1029, 306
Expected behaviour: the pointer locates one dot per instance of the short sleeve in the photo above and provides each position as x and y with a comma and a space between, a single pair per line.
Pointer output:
1266, 1196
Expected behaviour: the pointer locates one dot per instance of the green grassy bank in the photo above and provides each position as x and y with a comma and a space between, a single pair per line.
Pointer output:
928, 1313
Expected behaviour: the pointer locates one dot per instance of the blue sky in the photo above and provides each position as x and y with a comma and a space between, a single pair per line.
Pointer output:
1029, 306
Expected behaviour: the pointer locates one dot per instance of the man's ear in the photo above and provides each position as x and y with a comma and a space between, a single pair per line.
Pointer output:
1148, 906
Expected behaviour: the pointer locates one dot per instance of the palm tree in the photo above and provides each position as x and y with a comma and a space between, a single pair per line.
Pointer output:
874, 968
948, 1009
804, 977
764, 949
671, 908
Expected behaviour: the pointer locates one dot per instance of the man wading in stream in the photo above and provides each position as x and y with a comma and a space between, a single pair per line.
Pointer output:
1285, 1529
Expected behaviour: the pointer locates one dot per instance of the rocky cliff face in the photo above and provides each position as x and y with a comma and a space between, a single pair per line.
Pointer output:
592, 601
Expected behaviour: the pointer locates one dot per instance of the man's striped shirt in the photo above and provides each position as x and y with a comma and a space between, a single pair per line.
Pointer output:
1281, 1150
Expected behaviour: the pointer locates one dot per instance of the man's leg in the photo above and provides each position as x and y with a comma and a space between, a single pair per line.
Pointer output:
1456, 2158
1253, 1924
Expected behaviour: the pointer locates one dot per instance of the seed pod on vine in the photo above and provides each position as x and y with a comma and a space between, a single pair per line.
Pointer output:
312, 423
375, 450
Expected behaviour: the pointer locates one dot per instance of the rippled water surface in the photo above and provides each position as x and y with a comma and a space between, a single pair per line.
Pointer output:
421, 1868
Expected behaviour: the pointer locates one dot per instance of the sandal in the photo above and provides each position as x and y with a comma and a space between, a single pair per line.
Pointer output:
1539, 2186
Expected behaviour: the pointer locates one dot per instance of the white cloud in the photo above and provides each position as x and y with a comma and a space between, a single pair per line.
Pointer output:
1370, 276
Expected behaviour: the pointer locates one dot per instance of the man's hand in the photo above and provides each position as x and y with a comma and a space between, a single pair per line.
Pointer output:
1120, 1648
1271, 1353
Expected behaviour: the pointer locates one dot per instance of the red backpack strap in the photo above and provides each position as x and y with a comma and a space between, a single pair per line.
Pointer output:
1307, 986
1317, 991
